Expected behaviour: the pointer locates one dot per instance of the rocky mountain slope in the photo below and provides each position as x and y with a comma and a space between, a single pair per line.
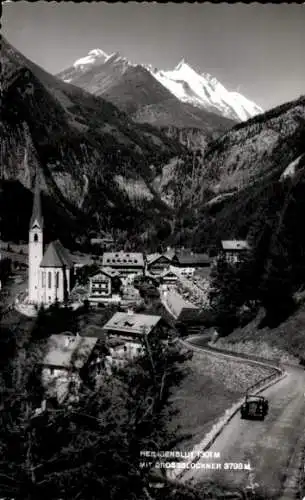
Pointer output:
244, 175
96, 163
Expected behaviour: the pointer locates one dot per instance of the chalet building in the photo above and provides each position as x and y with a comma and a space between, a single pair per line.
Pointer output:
169, 277
132, 328
104, 285
63, 363
156, 264
186, 263
128, 330
126, 264
233, 250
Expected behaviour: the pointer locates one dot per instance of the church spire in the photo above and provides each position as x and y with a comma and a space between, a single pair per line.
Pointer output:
37, 212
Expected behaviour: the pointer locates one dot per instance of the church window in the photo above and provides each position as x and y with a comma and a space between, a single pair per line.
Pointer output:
49, 279
35, 237
57, 279
43, 279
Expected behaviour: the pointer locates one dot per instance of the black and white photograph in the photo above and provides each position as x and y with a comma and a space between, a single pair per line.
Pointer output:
152, 258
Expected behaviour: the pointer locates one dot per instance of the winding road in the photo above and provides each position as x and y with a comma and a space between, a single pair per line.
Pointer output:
270, 447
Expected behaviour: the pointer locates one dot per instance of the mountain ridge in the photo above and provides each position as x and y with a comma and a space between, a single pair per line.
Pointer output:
202, 91
81, 144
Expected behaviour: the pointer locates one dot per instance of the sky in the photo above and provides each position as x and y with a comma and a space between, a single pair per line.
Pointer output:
255, 49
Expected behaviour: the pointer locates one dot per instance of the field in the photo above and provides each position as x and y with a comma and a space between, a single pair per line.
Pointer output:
212, 385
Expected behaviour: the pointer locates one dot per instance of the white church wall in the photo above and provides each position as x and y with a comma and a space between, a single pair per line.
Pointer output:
54, 284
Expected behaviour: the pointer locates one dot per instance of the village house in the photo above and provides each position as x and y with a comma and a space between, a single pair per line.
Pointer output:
233, 250
125, 263
156, 264
126, 333
66, 356
104, 286
186, 263
133, 328
169, 277
112, 351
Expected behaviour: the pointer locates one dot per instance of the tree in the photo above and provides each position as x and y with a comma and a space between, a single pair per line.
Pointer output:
5, 269
224, 296
90, 448
55, 319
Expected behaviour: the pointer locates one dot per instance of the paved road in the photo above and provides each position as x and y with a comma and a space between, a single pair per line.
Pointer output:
266, 445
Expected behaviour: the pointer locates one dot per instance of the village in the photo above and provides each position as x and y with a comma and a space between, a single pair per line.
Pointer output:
128, 297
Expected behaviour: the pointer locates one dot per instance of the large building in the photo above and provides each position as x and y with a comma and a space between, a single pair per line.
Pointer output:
233, 250
187, 262
49, 272
125, 263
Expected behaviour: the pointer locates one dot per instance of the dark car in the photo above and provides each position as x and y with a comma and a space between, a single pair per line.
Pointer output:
254, 407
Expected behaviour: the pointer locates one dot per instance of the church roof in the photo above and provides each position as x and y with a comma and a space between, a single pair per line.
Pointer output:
36, 212
56, 256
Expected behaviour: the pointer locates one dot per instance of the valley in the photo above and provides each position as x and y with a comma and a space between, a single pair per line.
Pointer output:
152, 252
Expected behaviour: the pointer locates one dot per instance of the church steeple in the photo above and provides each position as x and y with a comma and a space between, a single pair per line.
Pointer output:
37, 217
35, 246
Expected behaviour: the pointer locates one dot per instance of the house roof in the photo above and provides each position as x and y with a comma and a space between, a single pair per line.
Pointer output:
138, 324
178, 304
65, 351
235, 245
151, 257
188, 258
167, 272
56, 256
37, 211
123, 259
154, 257
170, 253
106, 271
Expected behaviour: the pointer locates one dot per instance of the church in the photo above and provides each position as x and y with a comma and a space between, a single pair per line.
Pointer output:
50, 272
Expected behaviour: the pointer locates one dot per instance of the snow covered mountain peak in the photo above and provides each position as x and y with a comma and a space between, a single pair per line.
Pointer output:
93, 56
181, 64
201, 90
97, 52
206, 92
183, 70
